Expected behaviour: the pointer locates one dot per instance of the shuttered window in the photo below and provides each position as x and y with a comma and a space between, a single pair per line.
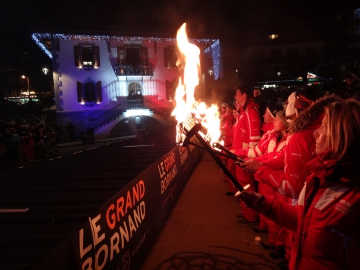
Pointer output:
89, 92
87, 56
170, 57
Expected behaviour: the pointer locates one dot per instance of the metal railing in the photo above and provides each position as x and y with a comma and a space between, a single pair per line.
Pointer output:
105, 117
134, 70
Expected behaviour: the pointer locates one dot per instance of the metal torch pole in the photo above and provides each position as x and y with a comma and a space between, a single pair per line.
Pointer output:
218, 161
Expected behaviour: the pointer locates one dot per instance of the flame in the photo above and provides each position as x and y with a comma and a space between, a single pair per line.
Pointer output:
188, 112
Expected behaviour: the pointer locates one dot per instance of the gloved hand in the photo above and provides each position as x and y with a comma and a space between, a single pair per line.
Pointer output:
252, 199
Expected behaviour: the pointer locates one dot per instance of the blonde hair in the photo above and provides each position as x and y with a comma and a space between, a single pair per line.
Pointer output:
343, 129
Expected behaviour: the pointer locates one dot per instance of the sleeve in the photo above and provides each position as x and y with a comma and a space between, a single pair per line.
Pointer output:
253, 122
275, 209
298, 153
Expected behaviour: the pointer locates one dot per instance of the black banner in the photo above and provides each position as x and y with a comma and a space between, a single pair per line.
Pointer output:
121, 234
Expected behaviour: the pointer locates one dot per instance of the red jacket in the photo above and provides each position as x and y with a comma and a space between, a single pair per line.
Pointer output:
275, 149
289, 181
227, 123
326, 220
246, 131
262, 147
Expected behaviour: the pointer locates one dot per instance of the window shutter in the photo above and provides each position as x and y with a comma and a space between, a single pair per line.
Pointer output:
77, 54
144, 55
168, 90
98, 91
121, 55
96, 56
167, 57
80, 91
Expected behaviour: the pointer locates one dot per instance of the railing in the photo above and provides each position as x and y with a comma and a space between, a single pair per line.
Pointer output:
135, 104
105, 117
134, 70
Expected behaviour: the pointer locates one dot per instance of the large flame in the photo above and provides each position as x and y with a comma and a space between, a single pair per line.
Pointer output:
188, 112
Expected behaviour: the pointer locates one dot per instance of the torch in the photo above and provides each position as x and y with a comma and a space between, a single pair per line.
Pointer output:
194, 131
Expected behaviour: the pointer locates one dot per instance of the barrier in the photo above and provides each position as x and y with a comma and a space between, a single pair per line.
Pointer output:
121, 233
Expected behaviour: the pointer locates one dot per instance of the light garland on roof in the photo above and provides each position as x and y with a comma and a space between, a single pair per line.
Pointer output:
38, 42
117, 38
214, 44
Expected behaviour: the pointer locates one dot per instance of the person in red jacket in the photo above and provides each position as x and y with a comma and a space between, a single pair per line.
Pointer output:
267, 133
276, 149
226, 125
246, 133
287, 175
326, 220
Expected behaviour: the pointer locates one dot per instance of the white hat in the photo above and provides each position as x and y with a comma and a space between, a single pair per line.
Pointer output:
290, 108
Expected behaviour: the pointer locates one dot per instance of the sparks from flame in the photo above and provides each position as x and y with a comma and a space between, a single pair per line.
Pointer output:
186, 107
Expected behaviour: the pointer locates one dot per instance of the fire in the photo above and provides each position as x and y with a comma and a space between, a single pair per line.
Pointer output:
188, 112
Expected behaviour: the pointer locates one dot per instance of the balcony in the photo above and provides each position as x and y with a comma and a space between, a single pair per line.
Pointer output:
134, 70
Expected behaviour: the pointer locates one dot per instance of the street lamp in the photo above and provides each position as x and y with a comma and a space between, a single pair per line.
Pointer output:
45, 70
28, 84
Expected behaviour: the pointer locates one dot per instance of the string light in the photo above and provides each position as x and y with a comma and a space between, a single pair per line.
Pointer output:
213, 44
38, 42
214, 49
38, 36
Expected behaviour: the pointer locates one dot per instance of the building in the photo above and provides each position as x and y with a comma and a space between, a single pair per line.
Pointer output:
111, 85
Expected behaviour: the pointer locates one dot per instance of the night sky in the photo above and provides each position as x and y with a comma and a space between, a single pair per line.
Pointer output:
229, 20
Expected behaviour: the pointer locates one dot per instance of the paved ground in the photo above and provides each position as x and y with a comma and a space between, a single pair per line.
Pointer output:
202, 232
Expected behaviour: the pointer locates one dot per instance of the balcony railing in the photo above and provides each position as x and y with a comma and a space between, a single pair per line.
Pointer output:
134, 70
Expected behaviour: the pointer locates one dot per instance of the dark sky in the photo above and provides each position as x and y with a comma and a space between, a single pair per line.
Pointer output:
227, 19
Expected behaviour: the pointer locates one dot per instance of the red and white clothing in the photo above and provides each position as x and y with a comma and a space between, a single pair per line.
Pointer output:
227, 124
262, 147
247, 128
327, 218
289, 181
276, 149
246, 134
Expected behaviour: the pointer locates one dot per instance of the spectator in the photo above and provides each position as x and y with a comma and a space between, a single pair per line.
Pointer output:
326, 219
260, 100
246, 133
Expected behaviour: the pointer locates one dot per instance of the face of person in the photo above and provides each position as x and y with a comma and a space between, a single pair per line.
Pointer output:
320, 137
240, 97
278, 125
256, 92
349, 81
267, 117
229, 110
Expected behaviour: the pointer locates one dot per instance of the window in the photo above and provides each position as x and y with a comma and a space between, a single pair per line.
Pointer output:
257, 54
292, 52
89, 92
134, 89
170, 57
275, 53
87, 56
133, 55
310, 51
273, 36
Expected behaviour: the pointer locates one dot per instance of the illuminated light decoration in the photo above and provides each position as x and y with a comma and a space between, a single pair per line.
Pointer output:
137, 112
215, 53
45, 70
273, 36
37, 36
38, 42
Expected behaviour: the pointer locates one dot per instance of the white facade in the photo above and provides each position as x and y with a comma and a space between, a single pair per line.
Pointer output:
83, 90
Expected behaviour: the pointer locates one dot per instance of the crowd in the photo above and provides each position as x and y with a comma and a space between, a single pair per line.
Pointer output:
23, 143
301, 163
